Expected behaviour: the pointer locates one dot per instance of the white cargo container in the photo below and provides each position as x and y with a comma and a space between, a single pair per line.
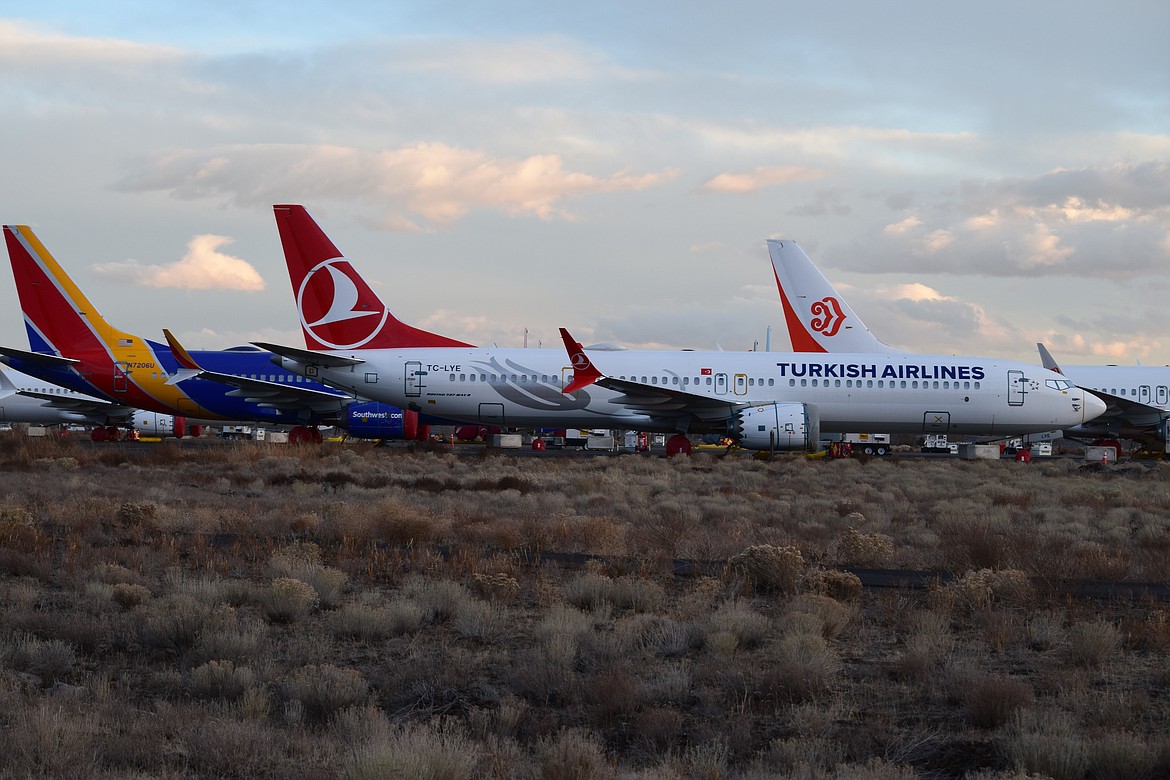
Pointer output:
1101, 454
979, 451
506, 441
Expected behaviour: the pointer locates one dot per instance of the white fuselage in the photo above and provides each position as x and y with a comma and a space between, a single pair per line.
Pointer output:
892, 393
17, 408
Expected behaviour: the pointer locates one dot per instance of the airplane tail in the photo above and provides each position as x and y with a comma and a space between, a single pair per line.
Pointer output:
337, 308
818, 318
59, 319
1046, 358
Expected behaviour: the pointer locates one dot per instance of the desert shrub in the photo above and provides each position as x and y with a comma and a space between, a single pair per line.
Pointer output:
115, 574
839, 585
612, 695
989, 587
52, 660
1047, 743
423, 751
479, 621
171, 624
589, 591
323, 690
440, 600
1045, 630
51, 739
221, 680
1121, 755
991, 699
855, 548
660, 729
802, 667
572, 754
288, 600
226, 636
221, 747
832, 614
706, 760
137, 514
127, 596
1092, 643
637, 594
766, 568
499, 587
302, 561
749, 628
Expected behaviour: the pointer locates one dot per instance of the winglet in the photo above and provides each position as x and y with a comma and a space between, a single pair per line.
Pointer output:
1046, 358
584, 373
182, 356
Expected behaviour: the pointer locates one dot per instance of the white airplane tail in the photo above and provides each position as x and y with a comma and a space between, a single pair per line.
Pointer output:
818, 318
1046, 358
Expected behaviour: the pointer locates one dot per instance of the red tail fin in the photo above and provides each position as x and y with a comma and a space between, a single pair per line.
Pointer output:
338, 310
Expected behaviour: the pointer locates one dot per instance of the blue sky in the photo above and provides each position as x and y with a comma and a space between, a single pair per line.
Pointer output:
976, 178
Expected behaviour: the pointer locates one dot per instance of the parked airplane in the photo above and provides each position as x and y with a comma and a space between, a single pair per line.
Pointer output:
75, 347
1137, 397
27, 399
764, 400
820, 320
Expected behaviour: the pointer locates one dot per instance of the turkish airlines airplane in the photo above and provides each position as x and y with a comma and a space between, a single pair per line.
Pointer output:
764, 400
26, 399
819, 320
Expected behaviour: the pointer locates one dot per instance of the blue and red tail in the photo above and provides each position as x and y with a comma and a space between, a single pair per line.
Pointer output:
337, 308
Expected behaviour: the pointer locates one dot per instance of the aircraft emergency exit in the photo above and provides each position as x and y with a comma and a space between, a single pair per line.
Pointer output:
764, 400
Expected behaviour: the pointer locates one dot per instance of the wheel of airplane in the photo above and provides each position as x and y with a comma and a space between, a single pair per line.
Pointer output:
97, 434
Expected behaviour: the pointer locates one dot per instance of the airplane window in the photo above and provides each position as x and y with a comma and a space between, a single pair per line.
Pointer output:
463, 377
936, 384
771, 382
653, 380
792, 383
976, 385
483, 377
674, 380
709, 380
513, 377
686, 381
881, 383
869, 383
804, 383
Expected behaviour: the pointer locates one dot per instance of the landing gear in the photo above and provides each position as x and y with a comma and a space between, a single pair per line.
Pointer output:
678, 445
304, 435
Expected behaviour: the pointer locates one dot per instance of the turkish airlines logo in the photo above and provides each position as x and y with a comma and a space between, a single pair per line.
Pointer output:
579, 361
337, 307
827, 316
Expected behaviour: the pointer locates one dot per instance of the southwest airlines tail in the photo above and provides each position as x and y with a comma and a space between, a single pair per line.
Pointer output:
59, 319
818, 318
338, 310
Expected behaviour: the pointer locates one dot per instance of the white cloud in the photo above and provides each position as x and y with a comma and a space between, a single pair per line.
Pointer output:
204, 267
759, 178
28, 46
434, 181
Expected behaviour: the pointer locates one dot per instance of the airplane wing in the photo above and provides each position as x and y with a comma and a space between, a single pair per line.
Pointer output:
272, 395
1131, 412
90, 407
308, 356
652, 400
38, 358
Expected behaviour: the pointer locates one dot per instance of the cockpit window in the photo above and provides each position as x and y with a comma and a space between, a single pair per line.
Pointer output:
1059, 384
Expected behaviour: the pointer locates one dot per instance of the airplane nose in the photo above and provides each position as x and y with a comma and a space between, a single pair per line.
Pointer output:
1094, 407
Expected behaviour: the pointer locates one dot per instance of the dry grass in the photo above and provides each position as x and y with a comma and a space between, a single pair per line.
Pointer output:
346, 612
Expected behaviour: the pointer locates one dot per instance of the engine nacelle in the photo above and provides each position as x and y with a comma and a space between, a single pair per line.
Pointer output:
155, 424
778, 426
379, 421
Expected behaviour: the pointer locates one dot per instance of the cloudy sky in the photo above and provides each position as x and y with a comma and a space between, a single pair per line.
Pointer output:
975, 177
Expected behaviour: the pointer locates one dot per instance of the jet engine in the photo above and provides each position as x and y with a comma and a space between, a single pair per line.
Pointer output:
778, 426
155, 424
379, 421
